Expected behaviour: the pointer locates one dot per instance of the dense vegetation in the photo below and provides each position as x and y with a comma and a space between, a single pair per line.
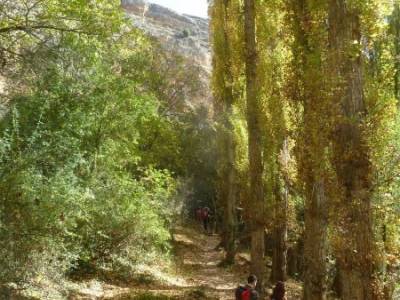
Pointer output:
102, 150
313, 85
95, 135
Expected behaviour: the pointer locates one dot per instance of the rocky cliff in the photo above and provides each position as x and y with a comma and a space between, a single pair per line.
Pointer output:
188, 35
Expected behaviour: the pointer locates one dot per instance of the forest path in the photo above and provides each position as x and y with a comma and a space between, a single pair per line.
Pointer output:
196, 273
199, 259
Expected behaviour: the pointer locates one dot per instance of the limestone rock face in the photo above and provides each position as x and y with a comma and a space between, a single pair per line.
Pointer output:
188, 35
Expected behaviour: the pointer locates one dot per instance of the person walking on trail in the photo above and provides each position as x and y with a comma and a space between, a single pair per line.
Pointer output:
206, 218
248, 292
199, 215
279, 291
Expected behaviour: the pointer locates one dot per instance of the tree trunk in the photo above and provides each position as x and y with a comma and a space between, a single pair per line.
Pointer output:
390, 279
356, 252
279, 257
229, 210
396, 35
388, 269
314, 142
292, 262
230, 224
223, 63
315, 244
256, 201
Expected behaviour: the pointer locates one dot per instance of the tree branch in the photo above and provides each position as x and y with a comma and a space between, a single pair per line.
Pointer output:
38, 27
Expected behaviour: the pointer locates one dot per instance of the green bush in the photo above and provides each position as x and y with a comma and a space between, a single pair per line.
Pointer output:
76, 187
95, 135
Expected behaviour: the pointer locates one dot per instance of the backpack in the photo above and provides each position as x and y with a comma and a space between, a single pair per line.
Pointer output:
243, 293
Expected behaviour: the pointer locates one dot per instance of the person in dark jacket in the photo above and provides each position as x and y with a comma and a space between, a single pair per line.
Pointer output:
206, 218
279, 291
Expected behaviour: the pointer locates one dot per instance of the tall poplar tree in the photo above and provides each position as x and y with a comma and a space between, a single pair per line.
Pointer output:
223, 93
356, 252
307, 24
256, 201
272, 60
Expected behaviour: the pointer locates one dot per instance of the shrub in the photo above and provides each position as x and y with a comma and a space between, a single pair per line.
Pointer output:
75, 187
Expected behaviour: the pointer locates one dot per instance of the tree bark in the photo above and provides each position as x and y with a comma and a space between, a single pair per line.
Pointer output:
357, 252
279, 257
230, 224
315, 243
314, 142
222, 54
256, 201
230, 201
396, 34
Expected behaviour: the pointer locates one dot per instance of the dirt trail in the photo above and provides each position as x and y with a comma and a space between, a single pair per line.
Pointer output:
197, 273
199, 261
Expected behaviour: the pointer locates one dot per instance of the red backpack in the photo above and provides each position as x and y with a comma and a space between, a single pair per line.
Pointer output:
243, 293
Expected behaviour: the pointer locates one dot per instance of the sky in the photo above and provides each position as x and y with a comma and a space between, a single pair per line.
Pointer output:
190, 7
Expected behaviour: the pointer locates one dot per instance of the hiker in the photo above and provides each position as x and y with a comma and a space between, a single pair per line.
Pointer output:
240, 220
279, 291
199, 213
205, 217
248, 292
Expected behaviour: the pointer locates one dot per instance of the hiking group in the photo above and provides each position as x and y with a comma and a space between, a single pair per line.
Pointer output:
249, 292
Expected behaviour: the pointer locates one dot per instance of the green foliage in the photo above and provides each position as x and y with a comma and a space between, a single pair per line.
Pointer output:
298, 60
70, 183
27, 26
88, 154
185, 33
199, 154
